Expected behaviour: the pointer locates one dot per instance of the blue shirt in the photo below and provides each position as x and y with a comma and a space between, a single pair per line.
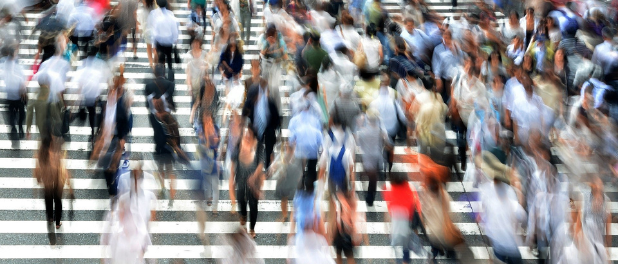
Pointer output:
306, 134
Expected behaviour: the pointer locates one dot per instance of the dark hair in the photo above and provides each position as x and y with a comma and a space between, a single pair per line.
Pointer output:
342, 48
162, 3
312, 82
513, 12
492, 53
400, 43
429, 83
607, 33
271, 31
149, 4
226, 54
398, 178
315, 38
371, 30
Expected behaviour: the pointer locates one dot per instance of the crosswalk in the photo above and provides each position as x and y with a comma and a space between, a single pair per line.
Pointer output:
24, 235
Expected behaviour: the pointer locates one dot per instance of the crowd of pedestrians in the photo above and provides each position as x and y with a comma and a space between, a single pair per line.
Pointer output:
371, 96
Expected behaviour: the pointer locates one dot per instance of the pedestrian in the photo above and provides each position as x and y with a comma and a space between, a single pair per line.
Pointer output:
208, 150
196, 66
263, 113
288, 171
246, 178
274, 52
16, 91
372, 139
164, 33
230, 64
145, 28
91, 77
53, 175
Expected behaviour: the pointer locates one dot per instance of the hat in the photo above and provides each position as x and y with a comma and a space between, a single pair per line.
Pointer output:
493, 168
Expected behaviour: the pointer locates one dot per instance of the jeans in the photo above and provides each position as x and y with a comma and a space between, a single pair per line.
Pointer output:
211, 186
245, 21
245, 196
53, 197
165, 54
386, 48
16, 107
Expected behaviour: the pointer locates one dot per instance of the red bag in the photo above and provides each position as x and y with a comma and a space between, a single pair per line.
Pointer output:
35, 69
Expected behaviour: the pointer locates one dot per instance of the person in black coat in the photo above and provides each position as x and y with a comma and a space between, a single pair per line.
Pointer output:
273, 121
160, 86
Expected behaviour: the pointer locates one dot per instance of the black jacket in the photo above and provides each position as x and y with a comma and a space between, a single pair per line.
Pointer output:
274, 121
159, 87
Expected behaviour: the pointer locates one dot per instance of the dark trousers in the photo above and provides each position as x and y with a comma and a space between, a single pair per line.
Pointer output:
92, 113
245, 196
269, 146
16, 114
165, 54
508, 259
446, 90
53, 197
373, 186
82, 44
310, 175
462, 143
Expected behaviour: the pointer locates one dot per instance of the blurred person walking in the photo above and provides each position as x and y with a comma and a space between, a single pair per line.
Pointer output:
128, 236
164, 33
288, 170
263, 113
372, 139
51, 172
230, 65
145, 28
244, 249
404, 212
246, 178
196, 67
16, 91
91, 77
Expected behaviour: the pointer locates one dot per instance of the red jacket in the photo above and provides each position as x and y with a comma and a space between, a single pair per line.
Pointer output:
403, 196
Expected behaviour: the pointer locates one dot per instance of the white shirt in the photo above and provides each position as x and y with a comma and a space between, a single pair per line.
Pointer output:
604, 55
14, 79
528, 113
57, 68
329, 40
164, 27
92, 77
350, 36
82, 18
344, 67
467, 92
501, 216
389, 111
372, 48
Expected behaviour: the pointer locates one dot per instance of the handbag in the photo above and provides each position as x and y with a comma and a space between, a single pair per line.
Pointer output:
452, 107
402, 129
360, 58
452, 235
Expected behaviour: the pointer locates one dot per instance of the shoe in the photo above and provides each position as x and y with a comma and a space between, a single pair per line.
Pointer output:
22, 135
58, 226
252, 233
243, 220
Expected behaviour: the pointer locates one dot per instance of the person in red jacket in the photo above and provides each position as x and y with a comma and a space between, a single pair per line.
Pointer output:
404, 207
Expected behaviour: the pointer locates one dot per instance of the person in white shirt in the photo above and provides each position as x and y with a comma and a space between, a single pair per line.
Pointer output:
92, 77
390, 110
502, 214
528, 112
602, 53
82, 19
342, 64
348, 33
15, 87
164, 33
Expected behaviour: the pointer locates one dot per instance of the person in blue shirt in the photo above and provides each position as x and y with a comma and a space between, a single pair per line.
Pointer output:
306, 139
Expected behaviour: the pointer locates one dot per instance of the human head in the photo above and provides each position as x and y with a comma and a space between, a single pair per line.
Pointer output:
346, 18
409, 24
162, 3
514, 17
271, 34
607, 33
400, 45
255, 68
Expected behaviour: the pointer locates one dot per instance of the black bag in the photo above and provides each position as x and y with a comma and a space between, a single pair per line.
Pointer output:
402, 128
176, 55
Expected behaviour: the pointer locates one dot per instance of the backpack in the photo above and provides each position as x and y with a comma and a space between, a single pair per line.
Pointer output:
572, 25
337, 173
